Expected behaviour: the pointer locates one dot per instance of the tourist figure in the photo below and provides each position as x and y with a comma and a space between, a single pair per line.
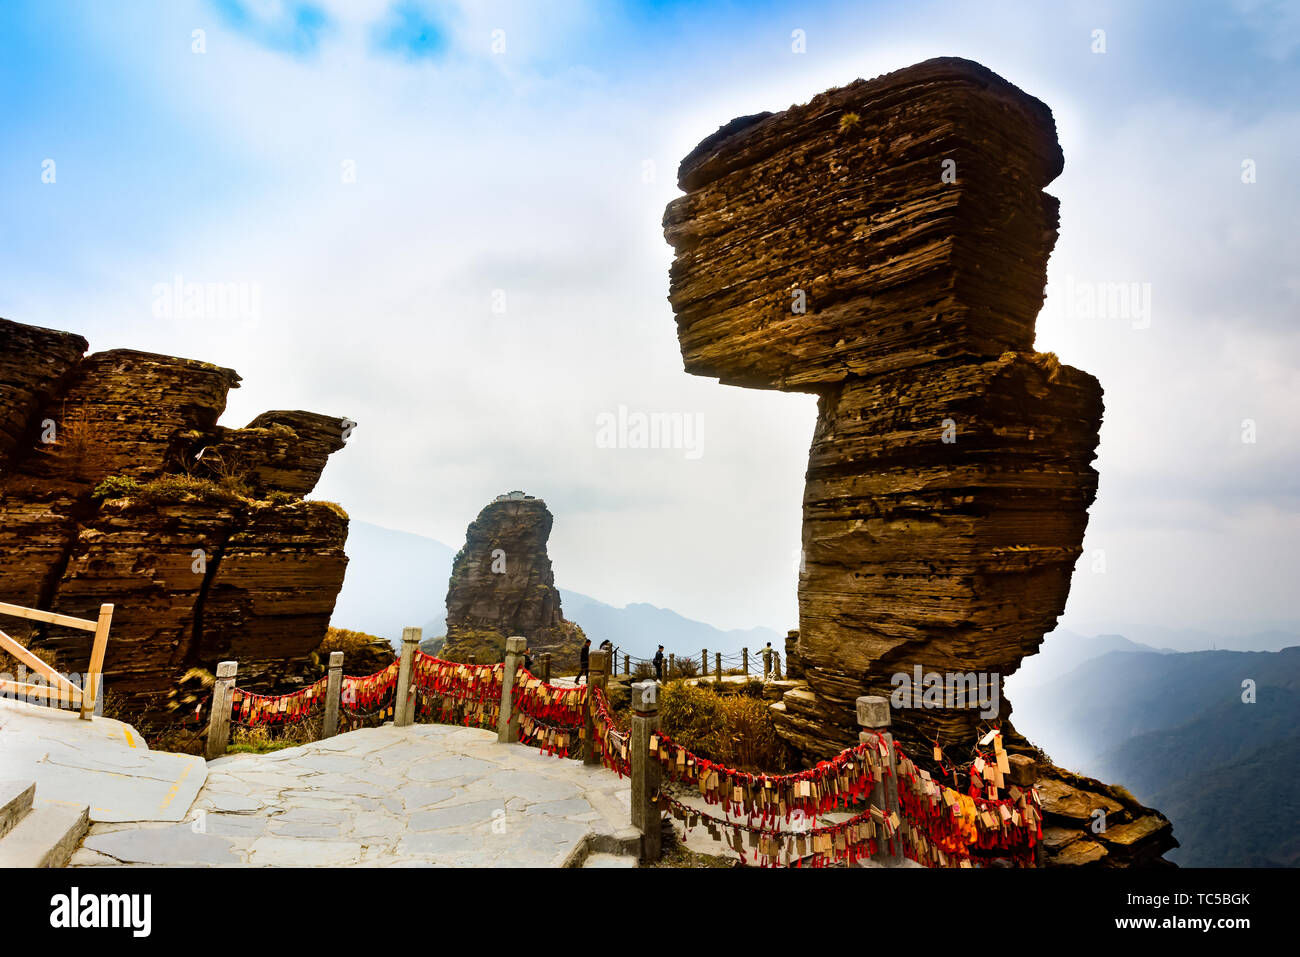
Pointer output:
584, 662
659, 664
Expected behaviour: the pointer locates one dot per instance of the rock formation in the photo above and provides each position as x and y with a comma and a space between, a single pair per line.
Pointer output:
502, 585
885, 247
117, 485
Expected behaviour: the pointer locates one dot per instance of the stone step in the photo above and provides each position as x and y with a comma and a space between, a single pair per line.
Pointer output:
15, 801
600, 859
47, 837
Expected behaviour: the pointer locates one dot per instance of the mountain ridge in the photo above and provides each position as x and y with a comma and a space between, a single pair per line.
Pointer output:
396, 579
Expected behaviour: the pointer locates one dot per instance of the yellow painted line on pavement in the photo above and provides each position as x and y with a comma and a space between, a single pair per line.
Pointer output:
176, 787
130, 741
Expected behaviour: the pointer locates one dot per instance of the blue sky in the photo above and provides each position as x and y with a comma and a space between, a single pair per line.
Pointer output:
541, 168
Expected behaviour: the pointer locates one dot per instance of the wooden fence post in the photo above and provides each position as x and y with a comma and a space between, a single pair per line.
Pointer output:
403, 700
219, 719
672, 666
645, 769
744, 652
94, 677
717, 670
704, 657
873, 716
627, 663
333, 694
597, 666
507, 720
546, 666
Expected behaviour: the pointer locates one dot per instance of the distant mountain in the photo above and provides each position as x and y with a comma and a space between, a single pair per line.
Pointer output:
640, 628
1225, 733
396, 579
1242, 814
1062, 651
1174, 729
1189, 639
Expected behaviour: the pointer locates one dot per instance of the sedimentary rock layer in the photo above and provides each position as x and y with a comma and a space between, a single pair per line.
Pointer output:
205, 556
907, 210
885, 246
943, 514
284, 451
33, 364
502, 585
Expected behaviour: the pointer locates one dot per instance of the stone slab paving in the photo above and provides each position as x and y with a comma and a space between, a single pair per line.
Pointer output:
425, 795
103, 763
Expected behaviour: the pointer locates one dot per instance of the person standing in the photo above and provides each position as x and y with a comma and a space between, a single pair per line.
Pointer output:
659, 664
584, 662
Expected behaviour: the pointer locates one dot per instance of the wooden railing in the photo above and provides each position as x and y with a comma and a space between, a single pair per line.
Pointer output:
59, 687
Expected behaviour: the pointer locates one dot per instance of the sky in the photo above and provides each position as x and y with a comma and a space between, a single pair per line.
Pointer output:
443, 221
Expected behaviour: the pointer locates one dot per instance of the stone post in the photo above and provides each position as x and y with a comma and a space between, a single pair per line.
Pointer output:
717, 670
597, 666
333, 694
645, 768
672, 666
546, 667
627, 664
1024, 770
745, 654
507, 720
219, 719
704, 668
873, 715
403, 700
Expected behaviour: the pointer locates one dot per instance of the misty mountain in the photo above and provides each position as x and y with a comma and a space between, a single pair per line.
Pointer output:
1177, 729
1242, 814
1190, 639
1062, 651
395, 579
1120, 695
640, 628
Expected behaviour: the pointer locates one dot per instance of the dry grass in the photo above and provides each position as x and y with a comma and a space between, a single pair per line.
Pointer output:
734, 729
264, 739
677, 855
78, 442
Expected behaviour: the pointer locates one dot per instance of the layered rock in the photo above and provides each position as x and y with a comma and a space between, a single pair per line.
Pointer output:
1087, 823
33, 364
846, 200
284, 451
502, 585
885, 247
126, 506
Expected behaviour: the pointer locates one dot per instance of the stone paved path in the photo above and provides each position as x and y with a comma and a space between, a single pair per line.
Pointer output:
425, 795
101, 763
